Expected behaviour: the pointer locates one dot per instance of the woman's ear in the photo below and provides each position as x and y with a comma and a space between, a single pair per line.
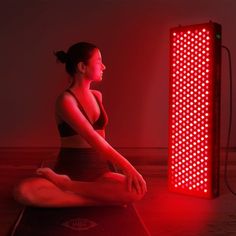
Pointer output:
81, 67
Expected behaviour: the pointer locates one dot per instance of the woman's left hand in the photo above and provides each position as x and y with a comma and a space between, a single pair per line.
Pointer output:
134, 180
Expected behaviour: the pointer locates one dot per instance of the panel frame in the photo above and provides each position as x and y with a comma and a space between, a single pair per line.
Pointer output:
214, 137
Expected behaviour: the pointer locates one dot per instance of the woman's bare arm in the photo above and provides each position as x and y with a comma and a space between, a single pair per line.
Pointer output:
69, 111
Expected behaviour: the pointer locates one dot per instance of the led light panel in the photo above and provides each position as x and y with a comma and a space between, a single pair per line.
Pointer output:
194, 109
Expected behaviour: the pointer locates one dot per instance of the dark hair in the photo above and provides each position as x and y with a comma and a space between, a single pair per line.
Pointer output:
79, 52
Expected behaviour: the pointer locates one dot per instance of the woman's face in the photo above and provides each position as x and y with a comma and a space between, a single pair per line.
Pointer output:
95, 67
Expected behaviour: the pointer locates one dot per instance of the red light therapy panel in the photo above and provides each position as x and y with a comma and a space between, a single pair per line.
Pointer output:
194, 109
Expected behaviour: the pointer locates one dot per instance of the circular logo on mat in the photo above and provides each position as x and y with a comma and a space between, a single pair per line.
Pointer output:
79, 224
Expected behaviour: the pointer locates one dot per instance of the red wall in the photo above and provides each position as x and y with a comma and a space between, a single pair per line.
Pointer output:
133, 38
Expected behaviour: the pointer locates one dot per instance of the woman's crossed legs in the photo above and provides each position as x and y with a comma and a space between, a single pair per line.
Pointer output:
53, 190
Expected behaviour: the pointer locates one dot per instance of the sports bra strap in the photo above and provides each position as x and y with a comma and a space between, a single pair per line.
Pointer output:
79, 104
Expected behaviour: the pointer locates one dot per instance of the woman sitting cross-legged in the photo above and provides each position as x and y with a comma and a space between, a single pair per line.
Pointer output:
81, 121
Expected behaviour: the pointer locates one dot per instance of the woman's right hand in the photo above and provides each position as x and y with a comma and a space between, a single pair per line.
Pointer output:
134, 179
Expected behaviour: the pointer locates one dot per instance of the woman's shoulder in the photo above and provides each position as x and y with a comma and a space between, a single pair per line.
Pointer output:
63, 95
64, 98
97, 93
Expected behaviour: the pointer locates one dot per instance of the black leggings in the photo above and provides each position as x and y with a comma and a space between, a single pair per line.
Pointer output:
83, 164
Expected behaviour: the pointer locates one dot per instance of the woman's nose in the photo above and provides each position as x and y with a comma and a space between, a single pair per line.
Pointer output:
103, 67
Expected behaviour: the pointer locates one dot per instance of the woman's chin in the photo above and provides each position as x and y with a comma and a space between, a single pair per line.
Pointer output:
98, 79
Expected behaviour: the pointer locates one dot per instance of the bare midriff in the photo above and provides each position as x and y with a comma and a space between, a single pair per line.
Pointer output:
76, 141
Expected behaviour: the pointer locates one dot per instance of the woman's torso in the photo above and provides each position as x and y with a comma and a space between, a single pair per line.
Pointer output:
90, 165
92, 107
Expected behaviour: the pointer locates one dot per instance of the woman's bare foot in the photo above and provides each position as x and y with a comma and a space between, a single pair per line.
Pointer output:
57, 179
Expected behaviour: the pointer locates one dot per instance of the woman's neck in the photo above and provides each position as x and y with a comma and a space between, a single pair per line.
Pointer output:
80, 85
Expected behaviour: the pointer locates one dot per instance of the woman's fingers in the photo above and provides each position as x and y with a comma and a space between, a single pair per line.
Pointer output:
135, 181
142, 185
133, 184
129, 182
136, 186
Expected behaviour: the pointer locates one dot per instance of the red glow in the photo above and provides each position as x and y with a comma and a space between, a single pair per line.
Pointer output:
193, 110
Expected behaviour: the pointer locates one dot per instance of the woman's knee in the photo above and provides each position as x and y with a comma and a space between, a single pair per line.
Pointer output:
129, 196
22, 192
120, 181
26, 192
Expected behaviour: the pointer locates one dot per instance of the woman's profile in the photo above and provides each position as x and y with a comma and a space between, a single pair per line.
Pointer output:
81, 120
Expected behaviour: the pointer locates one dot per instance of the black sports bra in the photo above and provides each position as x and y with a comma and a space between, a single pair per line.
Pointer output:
66, 130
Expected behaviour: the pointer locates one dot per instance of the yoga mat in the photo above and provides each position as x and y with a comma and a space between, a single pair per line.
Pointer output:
82, 221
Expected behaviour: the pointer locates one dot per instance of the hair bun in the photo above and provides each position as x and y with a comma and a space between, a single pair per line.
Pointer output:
61, 56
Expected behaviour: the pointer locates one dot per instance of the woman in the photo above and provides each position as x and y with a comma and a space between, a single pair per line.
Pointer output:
81, 121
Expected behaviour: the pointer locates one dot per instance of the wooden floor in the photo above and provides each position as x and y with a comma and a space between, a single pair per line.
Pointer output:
164, 213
